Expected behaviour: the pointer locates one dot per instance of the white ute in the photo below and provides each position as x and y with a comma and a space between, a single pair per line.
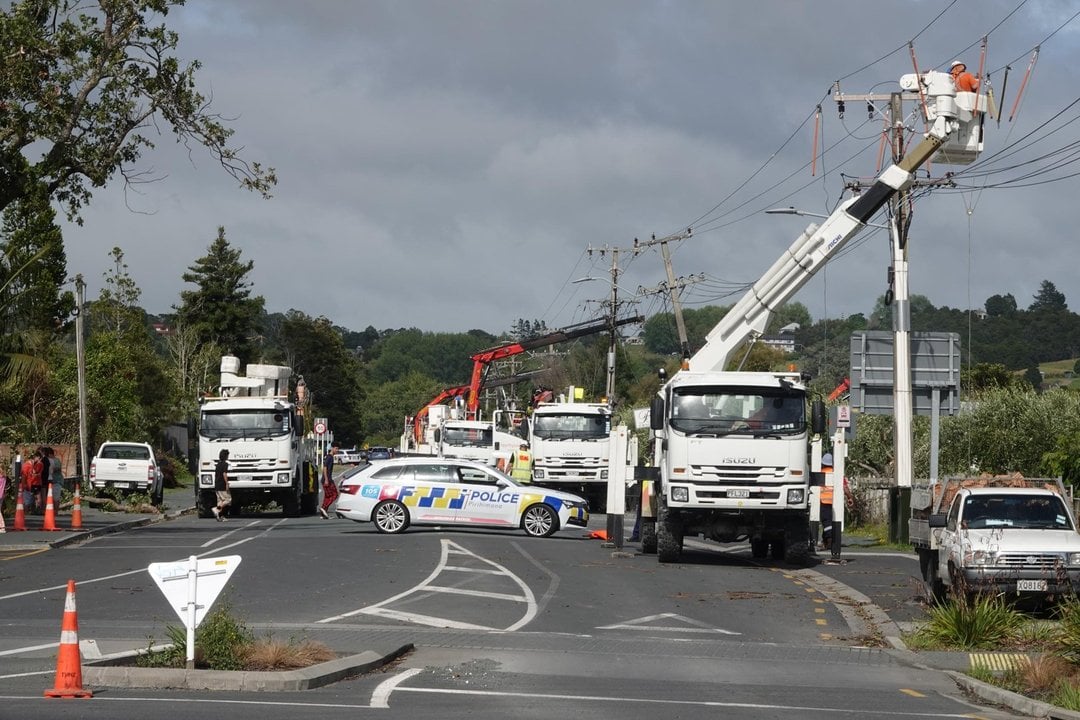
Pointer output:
127, 466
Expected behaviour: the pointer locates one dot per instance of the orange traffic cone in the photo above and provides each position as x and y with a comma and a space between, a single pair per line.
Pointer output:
20, 512
68, 682
76, 511
50, 513
598, 535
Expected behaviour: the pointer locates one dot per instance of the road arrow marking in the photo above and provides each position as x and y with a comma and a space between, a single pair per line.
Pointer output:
642, 624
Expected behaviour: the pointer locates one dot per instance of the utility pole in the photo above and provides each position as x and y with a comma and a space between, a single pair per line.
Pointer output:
673, 286
609, 390
80, 361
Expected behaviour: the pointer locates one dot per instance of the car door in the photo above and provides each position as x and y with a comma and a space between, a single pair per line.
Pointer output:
433, 494
489, 499
949, 537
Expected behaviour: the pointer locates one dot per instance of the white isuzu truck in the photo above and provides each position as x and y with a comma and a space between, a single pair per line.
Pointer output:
571, 445
733, 448
255, 419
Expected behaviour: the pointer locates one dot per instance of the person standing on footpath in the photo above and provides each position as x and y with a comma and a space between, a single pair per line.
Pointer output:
43, 473
221, 485
330, 491
31, 483
3, 492
55, 477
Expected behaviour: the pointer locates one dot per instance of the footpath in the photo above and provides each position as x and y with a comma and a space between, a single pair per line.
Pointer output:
870, 607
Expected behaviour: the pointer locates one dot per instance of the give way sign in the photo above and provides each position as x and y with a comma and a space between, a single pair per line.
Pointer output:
191, 586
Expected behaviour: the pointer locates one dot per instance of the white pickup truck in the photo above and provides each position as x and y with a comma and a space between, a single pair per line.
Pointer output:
127, 466
1012, 537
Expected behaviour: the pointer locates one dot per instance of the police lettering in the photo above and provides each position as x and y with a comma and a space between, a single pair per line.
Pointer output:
493, 496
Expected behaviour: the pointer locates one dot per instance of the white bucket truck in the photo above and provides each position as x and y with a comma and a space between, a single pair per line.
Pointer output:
733, 447
254, 418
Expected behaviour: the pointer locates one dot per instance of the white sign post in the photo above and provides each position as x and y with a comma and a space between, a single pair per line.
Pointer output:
192, 600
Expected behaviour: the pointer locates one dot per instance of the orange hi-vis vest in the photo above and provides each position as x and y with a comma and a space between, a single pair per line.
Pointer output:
826, 489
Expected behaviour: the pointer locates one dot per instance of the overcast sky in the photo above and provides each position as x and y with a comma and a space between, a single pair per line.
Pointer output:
448, 165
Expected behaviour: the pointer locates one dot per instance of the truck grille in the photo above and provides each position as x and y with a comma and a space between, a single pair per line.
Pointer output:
739, 475
1039, 560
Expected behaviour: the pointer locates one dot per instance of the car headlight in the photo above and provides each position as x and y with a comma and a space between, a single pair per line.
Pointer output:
283, 478
978, 557
1074, 559
796, 496
680, 494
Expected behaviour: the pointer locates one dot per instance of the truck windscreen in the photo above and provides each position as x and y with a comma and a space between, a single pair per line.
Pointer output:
571, 426
468, 437
252, 424
1022, 512
746, 411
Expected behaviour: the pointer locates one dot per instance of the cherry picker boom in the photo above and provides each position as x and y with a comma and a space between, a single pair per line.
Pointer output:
733, 447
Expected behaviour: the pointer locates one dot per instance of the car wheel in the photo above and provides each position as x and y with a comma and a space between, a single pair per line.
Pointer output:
539, 521
390, 517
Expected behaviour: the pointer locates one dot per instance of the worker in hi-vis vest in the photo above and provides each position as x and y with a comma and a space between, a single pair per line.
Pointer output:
521, 464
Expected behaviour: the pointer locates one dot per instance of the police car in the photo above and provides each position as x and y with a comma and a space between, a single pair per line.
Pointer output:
396, 493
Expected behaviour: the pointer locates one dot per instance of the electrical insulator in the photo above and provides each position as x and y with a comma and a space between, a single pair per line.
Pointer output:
840, 108
869, 110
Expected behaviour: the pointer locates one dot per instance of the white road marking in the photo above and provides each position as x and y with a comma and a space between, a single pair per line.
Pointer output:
426, 585
103, 578
381, 697
642, 624
221, 537
476, 593
30, 648
805, 709
200, 701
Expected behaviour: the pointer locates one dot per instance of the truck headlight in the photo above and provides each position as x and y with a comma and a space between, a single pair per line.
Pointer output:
603, 474
796, 496
538, 474
978, 557
1074, 559
283, 478
680, 494
206, 480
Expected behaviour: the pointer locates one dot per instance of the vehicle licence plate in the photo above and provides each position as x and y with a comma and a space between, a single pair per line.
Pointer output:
1031, 586
122, 485
738, 493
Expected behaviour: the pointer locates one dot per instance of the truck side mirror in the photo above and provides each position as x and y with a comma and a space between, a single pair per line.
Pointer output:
656, 413
937, 521
817, 417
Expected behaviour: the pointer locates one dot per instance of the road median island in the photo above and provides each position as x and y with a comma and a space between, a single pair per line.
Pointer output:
121, 672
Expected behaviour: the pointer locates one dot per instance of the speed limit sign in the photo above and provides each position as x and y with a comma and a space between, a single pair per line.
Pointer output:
320, 427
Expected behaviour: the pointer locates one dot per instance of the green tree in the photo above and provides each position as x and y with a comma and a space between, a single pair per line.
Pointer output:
84, 91
1000, 305
316, 350
1034, 376
117, 307
222, 309
386, 405
1048, 298
33, 270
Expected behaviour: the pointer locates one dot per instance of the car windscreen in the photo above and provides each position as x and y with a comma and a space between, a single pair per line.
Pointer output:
256, 424
125, 452
1023, 512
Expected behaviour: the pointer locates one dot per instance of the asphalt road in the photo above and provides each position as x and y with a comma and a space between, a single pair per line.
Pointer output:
503, 625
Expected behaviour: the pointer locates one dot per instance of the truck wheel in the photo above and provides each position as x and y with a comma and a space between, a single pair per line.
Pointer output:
309, 503
648, 536
669, 537
796, 541
759, 548
204, 501
935, 587
776, 549
290, 504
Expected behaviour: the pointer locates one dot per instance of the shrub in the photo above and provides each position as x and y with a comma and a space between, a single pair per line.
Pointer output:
219, 640
1068, 639
984, 622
